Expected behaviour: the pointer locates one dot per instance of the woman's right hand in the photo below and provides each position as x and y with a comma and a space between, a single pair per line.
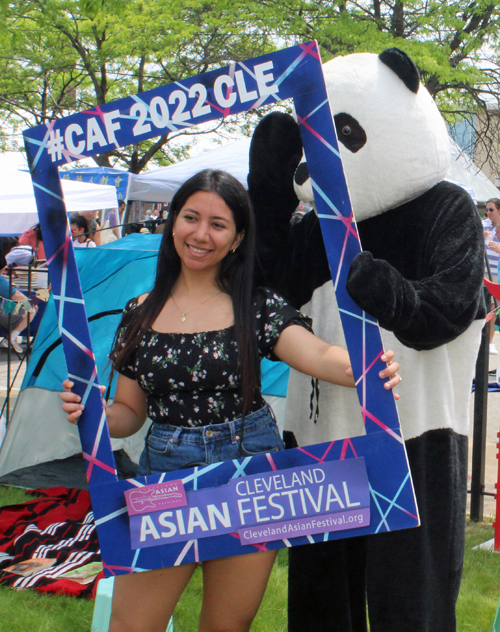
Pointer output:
71, 402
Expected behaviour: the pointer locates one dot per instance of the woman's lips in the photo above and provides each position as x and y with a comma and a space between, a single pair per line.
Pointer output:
197, 251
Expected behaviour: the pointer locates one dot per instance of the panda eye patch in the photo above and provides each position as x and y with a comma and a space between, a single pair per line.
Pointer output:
349, 132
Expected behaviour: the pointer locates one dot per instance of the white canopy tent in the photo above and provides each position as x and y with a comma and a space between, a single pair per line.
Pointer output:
160, 185
18, 207
465, 173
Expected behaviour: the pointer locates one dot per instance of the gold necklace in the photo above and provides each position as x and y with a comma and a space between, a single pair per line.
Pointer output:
184, 315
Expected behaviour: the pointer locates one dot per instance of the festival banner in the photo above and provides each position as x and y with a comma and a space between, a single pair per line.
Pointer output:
121, 180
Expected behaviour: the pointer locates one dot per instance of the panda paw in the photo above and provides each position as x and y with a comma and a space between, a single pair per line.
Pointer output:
378, 289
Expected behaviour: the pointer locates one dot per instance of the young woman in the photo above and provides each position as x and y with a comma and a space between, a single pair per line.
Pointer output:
80, 230
188, 357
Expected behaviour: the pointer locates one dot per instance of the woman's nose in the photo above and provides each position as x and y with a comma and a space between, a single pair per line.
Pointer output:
201, 232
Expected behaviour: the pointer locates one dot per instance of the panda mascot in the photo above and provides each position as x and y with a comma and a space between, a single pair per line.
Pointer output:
420, 274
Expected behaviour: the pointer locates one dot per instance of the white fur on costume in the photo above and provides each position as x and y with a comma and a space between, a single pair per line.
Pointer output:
435, 387
398, 163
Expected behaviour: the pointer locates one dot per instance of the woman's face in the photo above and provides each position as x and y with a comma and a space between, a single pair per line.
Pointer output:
204, 231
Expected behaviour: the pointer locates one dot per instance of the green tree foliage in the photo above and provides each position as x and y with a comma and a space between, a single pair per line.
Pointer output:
453, 42
64, 56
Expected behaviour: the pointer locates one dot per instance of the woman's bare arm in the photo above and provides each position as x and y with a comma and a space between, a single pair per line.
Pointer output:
307, 353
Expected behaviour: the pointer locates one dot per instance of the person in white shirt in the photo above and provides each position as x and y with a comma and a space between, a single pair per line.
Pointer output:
80, 231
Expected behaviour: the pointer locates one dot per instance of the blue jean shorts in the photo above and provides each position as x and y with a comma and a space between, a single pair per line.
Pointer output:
170, 448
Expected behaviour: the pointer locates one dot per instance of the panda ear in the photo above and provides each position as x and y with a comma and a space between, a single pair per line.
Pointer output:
405, 68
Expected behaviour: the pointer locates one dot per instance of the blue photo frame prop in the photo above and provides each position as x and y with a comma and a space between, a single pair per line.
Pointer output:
294, 73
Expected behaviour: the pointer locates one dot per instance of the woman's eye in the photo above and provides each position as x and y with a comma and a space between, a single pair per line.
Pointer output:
217, 225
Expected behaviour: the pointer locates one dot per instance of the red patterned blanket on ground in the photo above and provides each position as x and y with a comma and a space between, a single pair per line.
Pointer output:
50, 544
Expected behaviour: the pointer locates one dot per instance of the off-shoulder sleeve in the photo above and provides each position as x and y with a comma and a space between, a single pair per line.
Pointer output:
273, 315
128, 369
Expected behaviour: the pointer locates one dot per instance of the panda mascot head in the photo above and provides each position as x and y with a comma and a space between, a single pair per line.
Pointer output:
392, 138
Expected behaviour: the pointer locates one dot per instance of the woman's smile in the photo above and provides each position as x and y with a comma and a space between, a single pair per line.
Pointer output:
198, 250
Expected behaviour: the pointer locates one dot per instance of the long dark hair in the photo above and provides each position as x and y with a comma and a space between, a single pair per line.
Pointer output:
235, 278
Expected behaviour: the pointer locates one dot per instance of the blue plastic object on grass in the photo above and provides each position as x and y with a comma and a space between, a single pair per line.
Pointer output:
496, 624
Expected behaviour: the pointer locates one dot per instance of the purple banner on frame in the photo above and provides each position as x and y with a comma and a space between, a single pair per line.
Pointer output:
306, 526
301, 500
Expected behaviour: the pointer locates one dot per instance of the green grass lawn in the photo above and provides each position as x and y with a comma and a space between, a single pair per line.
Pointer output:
27, 611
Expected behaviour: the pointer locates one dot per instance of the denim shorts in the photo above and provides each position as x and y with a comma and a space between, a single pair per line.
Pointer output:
171, 448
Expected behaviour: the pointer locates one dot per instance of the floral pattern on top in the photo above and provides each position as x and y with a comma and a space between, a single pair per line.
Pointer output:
191, 379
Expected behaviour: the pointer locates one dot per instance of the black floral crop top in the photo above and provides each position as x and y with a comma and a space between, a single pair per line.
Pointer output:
191, 379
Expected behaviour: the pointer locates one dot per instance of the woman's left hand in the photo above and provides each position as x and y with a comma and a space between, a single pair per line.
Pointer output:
390, 371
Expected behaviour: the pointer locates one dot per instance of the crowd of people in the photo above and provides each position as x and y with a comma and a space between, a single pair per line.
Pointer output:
27, 250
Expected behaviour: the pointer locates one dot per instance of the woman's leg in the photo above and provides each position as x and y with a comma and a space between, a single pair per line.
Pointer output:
233, 588
144, 602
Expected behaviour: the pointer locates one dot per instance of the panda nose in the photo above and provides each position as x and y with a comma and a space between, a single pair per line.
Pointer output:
301, 174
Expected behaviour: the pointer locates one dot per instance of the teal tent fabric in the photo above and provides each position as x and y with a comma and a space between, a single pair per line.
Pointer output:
110, 275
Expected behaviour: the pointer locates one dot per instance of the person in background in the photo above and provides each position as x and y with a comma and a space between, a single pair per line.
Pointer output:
80, 231
18, 322
155, 214
93, 225
160, 222
20, 256
33, 237
110, 230
122, 207
492, 243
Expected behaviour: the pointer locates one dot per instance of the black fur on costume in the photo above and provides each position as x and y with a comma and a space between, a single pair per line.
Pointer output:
421, 275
